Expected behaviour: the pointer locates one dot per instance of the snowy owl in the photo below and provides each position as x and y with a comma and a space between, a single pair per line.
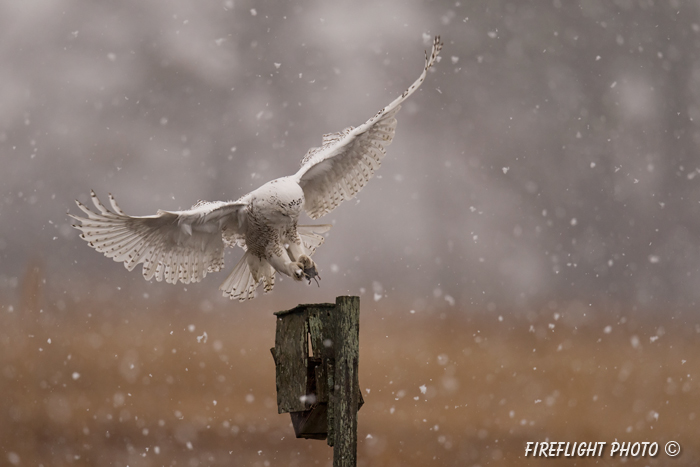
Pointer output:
186, 245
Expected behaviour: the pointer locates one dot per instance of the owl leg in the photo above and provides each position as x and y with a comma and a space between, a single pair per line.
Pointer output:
283, 263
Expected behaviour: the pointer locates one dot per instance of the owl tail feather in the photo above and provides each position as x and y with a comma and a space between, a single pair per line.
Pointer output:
246, 276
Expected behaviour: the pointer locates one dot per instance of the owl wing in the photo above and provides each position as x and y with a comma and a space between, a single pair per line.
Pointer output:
172, 245
346, 160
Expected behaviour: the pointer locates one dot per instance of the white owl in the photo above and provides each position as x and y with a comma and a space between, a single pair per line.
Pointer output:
186, 245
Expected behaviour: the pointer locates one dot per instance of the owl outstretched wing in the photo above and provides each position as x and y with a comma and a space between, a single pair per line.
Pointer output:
347, 160
171, 245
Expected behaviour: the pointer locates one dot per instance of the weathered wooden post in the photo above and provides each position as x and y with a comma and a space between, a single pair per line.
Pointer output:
316, 358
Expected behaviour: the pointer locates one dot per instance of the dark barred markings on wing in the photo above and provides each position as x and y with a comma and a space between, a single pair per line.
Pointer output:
186, 245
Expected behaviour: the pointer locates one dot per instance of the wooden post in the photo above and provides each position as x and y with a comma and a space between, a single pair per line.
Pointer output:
346, 384
316, 355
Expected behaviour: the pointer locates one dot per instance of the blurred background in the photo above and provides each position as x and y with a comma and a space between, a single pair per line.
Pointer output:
528, 252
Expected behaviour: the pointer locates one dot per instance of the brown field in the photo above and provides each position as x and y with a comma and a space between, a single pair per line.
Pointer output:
131, 385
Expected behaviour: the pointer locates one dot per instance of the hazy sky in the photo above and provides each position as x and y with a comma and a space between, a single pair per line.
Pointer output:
551, 155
